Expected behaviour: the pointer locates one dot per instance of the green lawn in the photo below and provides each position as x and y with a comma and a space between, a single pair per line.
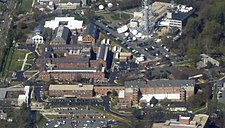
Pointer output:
31, 56
8, 62
41, 120
120, 16
16, 65
26, 6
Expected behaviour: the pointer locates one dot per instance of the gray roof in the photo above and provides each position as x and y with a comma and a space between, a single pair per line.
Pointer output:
178, 104
69, 60
159, 83
4, 90
92, 30
182, 15
69, 1
102, 52
3, 1
66, 47
63, 60
61, 34
76, 68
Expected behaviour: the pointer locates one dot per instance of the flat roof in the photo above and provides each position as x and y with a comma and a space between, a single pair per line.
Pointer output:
71, 87
4, 90
71, 23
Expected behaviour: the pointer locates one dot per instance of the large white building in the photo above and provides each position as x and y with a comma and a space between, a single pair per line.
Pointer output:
68, 22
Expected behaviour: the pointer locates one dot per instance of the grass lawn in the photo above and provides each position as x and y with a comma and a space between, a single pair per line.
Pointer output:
187, 63
31, 56
16, 65
8, 62
26, 5
122, 16
41, 120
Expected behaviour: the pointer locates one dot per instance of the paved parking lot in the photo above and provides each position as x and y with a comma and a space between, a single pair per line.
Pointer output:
75, 102
104, 101
78, 123
149, 49
74, 111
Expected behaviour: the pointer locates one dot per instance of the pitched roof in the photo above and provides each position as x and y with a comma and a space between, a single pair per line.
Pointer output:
159, 83
63, 60
61, 34
102, 52
92, 30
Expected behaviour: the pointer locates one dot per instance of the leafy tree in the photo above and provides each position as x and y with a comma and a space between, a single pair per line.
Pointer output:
114, 93
3, 7
143, 104
138, 113
153, 101
196, 101
209, 65
165, 102
89, 13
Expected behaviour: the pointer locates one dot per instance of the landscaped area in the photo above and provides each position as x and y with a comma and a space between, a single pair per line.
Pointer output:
17, 60
26, 5
41, 120
14, 60
120, 16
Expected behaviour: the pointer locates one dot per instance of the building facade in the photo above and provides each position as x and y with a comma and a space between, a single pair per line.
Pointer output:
78, 91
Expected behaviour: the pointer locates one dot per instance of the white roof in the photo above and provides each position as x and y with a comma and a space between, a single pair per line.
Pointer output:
121, 94
72, 23
80, 38
37, 36
172, 96
122, 29
22, 97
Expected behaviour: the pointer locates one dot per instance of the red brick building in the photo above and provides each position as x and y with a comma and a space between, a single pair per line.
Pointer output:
103, 90
71, 90
178, 90
72, 74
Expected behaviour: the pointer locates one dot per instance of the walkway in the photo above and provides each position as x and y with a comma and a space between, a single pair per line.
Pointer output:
25, 60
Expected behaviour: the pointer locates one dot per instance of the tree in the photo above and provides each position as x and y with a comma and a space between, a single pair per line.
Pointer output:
209, 65
138, 113
148, 74
153, 101
196, 101
3, 7
21, 25
114, 93
89, 13
165, 102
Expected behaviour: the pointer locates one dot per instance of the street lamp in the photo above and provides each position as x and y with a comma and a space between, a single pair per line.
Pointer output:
119, 9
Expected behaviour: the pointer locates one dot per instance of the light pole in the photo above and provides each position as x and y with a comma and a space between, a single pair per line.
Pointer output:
119, 9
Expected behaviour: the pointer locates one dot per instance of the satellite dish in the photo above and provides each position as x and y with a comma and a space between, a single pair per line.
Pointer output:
110, 5
139, 35
126, 34
101, 7
134, 32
